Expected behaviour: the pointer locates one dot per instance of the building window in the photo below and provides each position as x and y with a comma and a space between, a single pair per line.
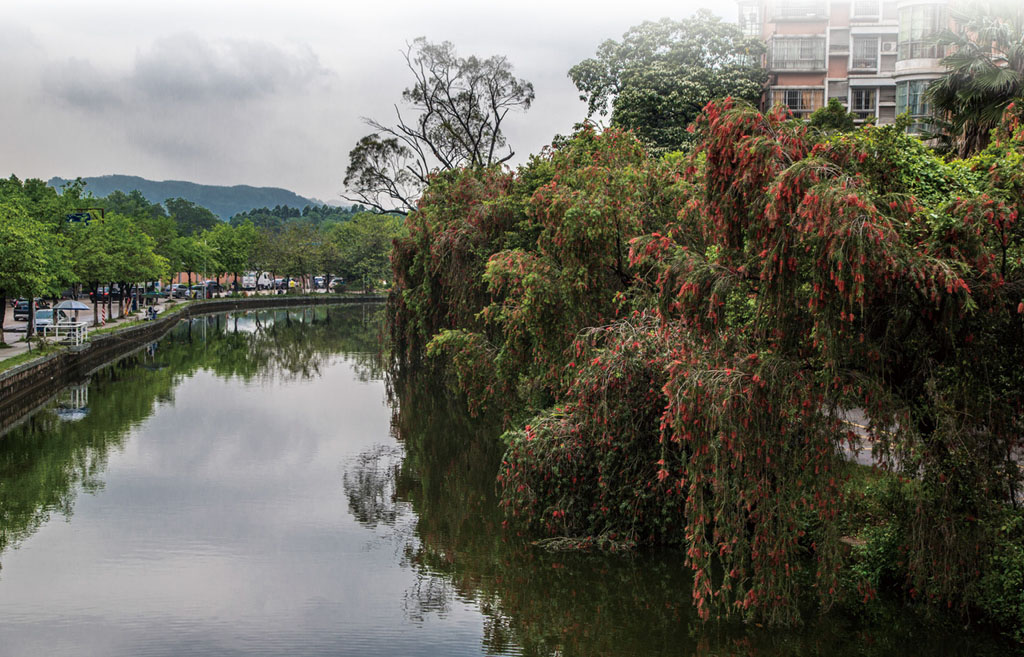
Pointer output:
918, 24
866, 8
799, 101
910, 98
798, 54
862, 103
750, 20
799, 9
865, 53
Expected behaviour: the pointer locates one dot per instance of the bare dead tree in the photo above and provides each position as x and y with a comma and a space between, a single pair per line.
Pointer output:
453, 118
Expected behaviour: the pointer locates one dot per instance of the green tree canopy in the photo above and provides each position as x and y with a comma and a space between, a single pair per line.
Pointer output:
43, 202
196, 254
162, 230
833, 117
190, 218
659, 77
276, 217
113, 249
233, 245
292, 251
362, 247
132, 204
32, 257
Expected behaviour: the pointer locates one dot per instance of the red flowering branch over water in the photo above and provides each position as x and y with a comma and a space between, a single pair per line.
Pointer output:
692, 331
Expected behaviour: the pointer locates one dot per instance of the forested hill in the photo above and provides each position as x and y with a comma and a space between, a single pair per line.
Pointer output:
225, 202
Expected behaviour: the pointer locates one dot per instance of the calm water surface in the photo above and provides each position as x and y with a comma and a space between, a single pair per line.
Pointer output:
251, 486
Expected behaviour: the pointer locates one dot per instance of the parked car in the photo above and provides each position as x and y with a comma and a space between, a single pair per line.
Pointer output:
280, 283
21, 309
319, 282
102, 293
179, 290
46, 318
337, 283
198, 292
213, 286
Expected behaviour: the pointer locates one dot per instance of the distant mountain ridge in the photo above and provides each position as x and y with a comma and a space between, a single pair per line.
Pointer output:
225, 202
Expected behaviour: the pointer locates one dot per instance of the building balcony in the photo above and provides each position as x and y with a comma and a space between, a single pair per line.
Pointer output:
799, 10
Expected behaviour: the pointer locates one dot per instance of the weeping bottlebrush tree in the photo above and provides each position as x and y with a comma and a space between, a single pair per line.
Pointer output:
603, 192
700, 327
582, 472
463, 217
799, 281
566, 269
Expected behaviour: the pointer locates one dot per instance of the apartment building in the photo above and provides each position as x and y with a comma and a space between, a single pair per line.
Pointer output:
874, 56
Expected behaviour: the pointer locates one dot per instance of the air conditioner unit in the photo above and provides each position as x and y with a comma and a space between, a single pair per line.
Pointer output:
889, 46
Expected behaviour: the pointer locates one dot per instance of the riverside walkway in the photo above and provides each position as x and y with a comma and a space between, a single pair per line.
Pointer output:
14, 332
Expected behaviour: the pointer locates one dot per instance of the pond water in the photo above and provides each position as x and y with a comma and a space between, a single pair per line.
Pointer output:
252, 485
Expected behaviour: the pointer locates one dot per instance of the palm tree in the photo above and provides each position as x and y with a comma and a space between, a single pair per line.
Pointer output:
985, 71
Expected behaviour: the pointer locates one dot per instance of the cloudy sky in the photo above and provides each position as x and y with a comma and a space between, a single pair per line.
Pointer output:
265, 92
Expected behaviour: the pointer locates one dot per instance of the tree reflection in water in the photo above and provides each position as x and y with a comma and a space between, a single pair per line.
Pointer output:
45, 462
370, 486
292, 344
542, 603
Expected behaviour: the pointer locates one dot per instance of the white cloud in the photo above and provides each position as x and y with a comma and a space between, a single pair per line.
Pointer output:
189, 69
263, 92
184, 70
78, 84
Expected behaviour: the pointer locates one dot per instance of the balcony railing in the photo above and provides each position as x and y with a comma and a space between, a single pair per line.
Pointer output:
797, 54
921, 49
799, 9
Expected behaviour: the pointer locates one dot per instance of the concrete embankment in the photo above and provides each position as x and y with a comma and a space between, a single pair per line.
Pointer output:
26, 386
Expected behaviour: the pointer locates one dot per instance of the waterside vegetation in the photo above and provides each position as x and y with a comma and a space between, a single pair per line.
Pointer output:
677, 343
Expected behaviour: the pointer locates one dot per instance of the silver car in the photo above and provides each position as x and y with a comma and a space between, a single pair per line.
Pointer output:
45, 318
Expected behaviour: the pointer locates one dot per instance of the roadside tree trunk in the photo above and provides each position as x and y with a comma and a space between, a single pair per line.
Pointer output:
95, 303
31, 327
